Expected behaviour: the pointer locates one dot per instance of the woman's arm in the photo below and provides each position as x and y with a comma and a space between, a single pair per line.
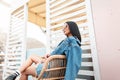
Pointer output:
60, 49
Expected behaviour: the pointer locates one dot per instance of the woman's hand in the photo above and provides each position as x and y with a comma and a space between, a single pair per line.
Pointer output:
47, 55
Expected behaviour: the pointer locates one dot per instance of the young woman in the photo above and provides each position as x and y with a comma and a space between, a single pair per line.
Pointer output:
70, 47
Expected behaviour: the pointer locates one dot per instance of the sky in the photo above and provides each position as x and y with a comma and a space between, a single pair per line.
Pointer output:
33, 31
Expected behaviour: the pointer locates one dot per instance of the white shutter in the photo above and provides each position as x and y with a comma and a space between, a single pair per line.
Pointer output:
16, 41
60, 11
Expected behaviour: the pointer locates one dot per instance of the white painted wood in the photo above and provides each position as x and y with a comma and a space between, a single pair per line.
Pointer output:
93, 41
56, 18
86, 47
85, 72
19, 12
51, 1
85, 39
67, 16
67, 10
16, 41
84, 32
75, 19
82, 25
57, 3
87, 55
57, 25
87, 64
68, 3
14, 58
48, 25
15, 38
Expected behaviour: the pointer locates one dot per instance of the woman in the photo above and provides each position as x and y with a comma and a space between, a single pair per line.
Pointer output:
70, 47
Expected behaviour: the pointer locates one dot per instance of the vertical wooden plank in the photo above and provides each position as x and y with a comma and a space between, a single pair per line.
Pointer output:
92, 40
48, 25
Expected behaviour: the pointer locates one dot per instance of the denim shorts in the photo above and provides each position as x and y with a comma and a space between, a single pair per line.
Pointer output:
39, 68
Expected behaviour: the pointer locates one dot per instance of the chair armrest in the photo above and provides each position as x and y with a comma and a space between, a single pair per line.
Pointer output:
45, 66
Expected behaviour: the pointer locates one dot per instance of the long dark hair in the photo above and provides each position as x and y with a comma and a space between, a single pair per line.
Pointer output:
74, 29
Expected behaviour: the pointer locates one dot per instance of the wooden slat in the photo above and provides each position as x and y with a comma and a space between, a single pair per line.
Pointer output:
16, 33
51, 1
21, 15
85, 39
14, 63
15, 54
82, 25
84, 32
86, 55
54, 69
18, 12
87, 64
55, 32
85, 72
74, 19
15, 38
16, 22
57, 3
67, 10
86, 47
10, 71
16, 28
14, 58
68, 16
13, 67
63, 6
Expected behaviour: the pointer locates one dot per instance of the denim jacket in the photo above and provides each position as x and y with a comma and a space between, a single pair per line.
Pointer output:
71, 49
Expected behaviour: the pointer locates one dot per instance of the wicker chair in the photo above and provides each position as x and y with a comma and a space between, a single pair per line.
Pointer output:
54, 68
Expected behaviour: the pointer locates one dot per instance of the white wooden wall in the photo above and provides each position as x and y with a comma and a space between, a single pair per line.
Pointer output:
16, 41
60, 11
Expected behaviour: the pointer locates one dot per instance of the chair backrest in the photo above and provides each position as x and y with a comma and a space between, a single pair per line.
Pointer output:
54, 68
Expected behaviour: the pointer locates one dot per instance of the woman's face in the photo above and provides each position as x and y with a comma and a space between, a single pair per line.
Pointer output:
66, 30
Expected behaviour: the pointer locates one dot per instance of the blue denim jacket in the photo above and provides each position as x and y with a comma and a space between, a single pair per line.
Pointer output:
70, 47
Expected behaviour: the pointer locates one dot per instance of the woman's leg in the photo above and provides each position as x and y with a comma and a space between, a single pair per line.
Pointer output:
32, 59
29, 71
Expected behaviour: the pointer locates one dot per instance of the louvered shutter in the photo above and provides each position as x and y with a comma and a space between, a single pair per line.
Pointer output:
60, 11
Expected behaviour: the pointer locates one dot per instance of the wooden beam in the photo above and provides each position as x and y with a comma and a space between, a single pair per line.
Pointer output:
36, 19
39, 8
34, 3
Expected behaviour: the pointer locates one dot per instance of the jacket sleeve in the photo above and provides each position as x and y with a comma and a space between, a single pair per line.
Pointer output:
60, 49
